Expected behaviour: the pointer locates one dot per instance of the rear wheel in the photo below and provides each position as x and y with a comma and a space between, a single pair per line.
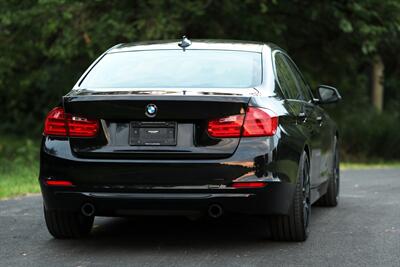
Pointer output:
66, 224
294, 227
331, 197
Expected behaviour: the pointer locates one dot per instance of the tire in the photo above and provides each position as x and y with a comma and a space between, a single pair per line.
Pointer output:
294, 227
331, 197
65, 224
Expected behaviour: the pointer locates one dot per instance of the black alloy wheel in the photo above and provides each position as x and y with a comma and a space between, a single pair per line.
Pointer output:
294, 226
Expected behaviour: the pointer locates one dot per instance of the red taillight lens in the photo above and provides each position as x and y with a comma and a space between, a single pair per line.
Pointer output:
226, 127
256, 122
55, 123
82, 127
248, 184
58, 183
259, 122
59, 123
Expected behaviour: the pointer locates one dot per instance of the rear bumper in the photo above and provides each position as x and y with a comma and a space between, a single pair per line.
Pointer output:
123, 187
275, 198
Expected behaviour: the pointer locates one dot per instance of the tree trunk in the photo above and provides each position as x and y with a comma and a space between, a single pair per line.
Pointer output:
377, 82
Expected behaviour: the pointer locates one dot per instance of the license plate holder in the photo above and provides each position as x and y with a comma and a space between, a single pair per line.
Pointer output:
149, 133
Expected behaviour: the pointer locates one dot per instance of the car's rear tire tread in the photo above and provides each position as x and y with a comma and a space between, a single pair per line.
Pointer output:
285, 225
290, 227
65, 224
330, 198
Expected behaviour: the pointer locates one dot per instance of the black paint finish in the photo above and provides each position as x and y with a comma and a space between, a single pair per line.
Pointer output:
199, 170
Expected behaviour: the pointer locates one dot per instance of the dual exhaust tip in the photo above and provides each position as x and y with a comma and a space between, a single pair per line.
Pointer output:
88, 209
214, 210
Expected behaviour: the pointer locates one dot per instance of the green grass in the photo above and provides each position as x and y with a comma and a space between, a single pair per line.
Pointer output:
19, 166
369, 165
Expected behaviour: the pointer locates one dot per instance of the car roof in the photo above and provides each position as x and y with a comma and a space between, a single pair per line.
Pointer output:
203, 44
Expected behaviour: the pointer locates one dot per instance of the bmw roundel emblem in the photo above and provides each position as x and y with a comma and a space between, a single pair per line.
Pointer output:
151, 110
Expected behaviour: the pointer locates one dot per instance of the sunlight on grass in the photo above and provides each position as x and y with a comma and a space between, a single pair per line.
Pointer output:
21, 181
379, 165
19, 166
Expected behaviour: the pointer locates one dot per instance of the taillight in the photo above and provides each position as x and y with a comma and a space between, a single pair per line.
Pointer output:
55, 123
226, 127
260, 122
59, 123
82, 127
256, 122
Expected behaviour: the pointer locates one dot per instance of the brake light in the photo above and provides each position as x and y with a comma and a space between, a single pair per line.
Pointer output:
59, 123
256, 122
226, 127
260, 122
58, 183
55, 123
248, 184
82, 127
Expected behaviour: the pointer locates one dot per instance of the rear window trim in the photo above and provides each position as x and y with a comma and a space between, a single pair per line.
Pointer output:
187, 49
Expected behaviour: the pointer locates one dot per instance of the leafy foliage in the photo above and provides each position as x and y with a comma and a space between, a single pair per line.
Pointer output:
46, 45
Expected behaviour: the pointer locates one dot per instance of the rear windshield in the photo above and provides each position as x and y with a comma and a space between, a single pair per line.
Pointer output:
176, 68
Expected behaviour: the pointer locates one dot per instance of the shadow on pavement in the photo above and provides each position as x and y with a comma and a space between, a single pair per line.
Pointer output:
176, 233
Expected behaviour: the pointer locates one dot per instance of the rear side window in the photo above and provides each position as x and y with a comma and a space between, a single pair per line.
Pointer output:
301, 84
175, 68
286, 78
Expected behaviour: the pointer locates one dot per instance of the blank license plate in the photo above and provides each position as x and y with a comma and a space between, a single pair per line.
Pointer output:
152, 133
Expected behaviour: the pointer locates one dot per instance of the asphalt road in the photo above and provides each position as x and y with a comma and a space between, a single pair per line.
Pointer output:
364, 230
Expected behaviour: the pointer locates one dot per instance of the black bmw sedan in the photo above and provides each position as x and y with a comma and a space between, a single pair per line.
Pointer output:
190, 128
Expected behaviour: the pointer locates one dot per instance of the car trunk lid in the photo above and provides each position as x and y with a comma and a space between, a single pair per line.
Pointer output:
181, 116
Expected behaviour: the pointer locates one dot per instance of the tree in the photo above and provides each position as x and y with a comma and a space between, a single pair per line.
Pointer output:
45, 45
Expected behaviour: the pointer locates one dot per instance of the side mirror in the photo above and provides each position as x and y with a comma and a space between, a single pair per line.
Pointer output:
328, 94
